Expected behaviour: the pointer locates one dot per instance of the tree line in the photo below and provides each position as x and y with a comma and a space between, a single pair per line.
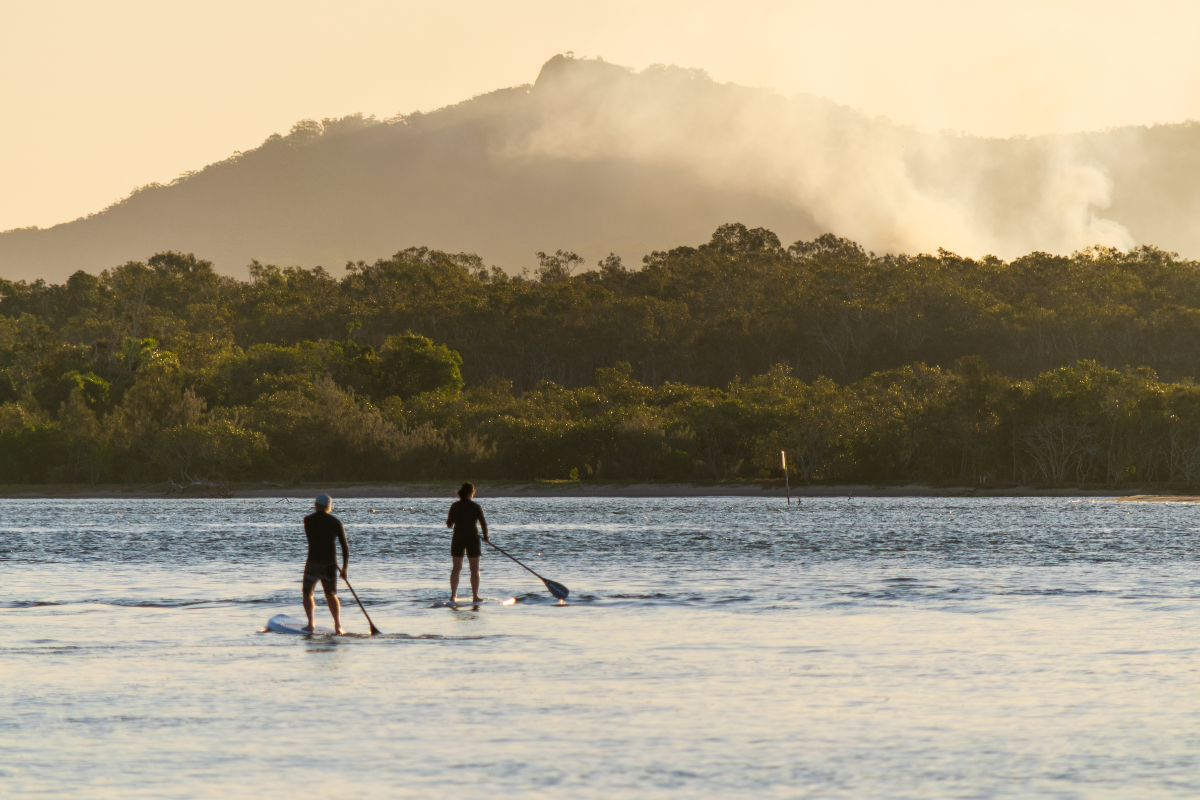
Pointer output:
702, 364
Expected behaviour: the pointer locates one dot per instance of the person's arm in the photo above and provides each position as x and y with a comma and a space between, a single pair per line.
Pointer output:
483, 524
450, 517
345, 548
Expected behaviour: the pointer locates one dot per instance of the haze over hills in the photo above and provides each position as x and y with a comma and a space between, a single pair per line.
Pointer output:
596, 158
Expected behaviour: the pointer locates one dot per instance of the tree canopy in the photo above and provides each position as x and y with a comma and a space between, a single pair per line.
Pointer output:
703, 363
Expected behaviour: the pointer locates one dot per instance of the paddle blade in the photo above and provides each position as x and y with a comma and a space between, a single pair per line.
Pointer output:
557, 589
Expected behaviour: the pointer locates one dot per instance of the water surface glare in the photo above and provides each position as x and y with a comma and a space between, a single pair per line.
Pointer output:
711, 647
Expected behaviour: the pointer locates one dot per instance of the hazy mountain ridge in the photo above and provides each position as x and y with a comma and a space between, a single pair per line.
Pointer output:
597, 158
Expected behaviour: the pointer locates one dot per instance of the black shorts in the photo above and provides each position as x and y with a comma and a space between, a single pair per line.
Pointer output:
325, 573
465, 543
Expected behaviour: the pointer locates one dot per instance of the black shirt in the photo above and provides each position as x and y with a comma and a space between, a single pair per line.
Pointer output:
464, 514
323, 530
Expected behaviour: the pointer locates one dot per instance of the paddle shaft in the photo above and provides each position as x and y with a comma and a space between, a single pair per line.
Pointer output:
514, 559
374, 630
555, 588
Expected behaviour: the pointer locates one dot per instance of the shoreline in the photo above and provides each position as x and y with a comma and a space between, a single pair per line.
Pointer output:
549, 489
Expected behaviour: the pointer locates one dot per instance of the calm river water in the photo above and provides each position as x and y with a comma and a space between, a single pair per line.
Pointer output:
712, 647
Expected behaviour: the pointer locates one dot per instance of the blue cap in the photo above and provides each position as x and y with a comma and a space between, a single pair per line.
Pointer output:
323, 501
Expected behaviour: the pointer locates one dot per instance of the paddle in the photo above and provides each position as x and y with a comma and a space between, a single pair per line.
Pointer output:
374, 631
556, 589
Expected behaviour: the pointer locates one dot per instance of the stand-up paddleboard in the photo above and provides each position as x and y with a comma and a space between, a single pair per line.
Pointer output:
282, 623
467, 602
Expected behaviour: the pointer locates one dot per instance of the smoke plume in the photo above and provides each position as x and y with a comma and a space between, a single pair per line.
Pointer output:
888, 187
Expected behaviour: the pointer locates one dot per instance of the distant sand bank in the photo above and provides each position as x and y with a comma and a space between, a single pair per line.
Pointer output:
565, 489
1159, 498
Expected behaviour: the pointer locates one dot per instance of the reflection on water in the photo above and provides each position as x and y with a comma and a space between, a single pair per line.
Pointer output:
710, 647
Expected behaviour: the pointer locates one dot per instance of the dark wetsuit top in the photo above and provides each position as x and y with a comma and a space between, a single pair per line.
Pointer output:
323, 531
464, 514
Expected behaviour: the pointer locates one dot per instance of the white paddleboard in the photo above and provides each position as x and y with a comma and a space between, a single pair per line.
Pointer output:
469, 603
282, 623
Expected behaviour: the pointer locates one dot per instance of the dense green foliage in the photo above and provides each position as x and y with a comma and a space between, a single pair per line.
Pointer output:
704, 363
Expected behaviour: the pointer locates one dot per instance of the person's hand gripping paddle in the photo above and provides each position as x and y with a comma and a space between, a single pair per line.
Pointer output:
555, 588
374, 631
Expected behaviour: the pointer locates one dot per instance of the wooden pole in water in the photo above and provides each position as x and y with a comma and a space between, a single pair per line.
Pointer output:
786, 482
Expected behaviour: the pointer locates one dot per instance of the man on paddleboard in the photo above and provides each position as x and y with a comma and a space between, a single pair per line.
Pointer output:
462, 517
324, 531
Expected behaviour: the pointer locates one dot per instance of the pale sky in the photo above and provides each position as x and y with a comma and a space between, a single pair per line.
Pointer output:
100, 97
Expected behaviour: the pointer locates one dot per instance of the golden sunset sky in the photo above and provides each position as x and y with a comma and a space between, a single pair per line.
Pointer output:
100, 97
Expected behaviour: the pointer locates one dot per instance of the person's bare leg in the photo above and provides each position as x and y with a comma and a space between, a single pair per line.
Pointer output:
454, 573
310, 607
335, 609
474, 578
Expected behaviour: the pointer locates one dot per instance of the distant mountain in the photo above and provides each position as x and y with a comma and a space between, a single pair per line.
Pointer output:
596, 158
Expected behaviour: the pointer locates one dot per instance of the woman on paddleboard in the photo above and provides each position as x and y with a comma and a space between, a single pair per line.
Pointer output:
462, 517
